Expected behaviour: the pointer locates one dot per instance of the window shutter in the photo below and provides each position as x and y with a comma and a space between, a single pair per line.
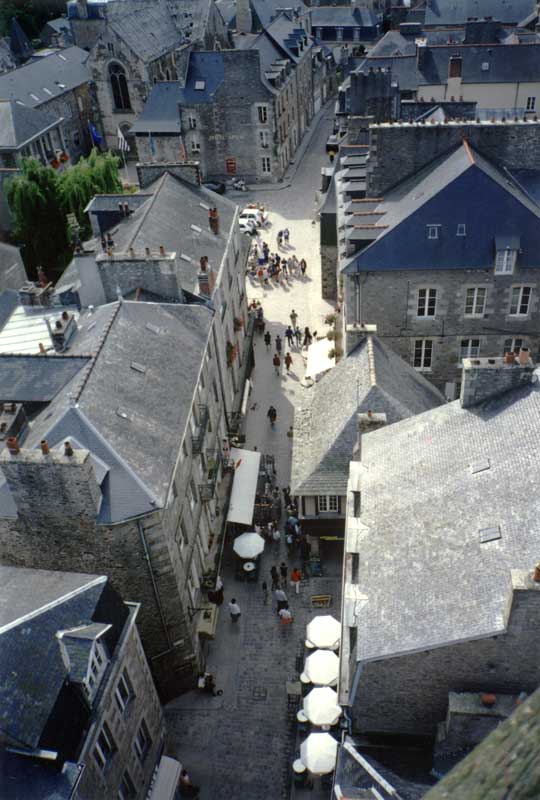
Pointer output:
303, 506
339, 504
317, 504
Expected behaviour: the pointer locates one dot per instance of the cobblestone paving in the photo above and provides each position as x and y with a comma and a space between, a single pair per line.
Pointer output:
240, 746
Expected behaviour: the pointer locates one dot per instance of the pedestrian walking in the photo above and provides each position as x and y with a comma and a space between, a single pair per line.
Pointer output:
278, 344
288, 362
286, 236
285, 268
303, 266
275, 578
293, 316
265, 592
286, 495
290, 432
266, 252
307, 337
289, 334
285, 616
281, 600
289, 541
283, 571
267, 340
296, 263
260, 275
265, 276
276, 538
296, 577
276, 361
272, 415
298, 336
279, 238
234, 610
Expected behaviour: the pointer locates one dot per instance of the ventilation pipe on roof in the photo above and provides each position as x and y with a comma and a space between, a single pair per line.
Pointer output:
44, 447
13, 445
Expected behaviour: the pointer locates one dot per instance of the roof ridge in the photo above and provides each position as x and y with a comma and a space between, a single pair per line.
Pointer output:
146, 210
468, 150
90, 366
371, 361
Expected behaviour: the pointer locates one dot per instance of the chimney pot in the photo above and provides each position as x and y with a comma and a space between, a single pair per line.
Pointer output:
509, 358
536, 573
147, 251
42, 347
68, 450
524, 355
131, 251
13, 445
44, 447
65, 315
161, 250
488, 700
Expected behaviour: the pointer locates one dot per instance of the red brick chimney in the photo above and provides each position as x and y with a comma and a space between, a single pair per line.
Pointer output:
13, 445
206, 277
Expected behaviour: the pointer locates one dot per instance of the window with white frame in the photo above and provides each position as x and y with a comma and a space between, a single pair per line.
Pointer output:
531, 103
195, 146
192, 122
423, 354
427, 302
461, 229
262, 113
433, 231
105, 747
266, 165
127, 789
327, 503
96, 668
520, 301
123, 693
475, 301
264, 138
192, 494
469, 348
142, 742
513, 345
505, 261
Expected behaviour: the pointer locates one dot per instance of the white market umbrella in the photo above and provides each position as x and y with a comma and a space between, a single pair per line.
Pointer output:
321, 706
322, 667
248, 545
318, 752
324, 631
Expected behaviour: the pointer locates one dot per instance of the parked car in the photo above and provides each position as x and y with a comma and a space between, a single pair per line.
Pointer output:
217, 187
255, 214
248, 225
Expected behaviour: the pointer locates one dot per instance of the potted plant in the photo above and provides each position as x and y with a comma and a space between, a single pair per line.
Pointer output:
55, 163
64, 157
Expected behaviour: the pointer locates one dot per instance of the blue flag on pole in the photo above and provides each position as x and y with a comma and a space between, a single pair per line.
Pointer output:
96, 137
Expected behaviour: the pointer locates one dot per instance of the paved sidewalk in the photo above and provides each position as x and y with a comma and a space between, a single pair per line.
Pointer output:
241, 745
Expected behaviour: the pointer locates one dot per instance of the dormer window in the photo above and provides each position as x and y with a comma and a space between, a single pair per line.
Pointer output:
461, 229
97, 665
505, 261
454, 67
433, 231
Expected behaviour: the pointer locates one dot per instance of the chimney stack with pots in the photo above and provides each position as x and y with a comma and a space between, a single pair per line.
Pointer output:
13, 445
44, 447
485, 378
68, 450
366, 423
206, 277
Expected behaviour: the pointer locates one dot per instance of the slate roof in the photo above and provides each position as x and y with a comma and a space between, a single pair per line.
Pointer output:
266, 10
450, 12
163, 220
149, 30
424, 507
6, 56
12, 271
22, 778
508, 63
132, 422
34, 606
343, 16
58, 73
161, 113
36, 379
19, 124
450, 191
372, 377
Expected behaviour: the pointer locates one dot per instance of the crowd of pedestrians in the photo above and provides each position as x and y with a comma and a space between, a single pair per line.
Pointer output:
276, 267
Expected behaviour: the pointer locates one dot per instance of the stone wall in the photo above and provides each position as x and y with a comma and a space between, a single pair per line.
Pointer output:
157, 274
329, 283
388, 299
188, 171
399, 150
76, 107
124, 725
374, 93
409, 694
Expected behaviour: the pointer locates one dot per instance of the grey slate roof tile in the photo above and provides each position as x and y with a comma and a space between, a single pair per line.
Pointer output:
59, 73
424, 507
19, 124
149, 31
36, 379
372, 377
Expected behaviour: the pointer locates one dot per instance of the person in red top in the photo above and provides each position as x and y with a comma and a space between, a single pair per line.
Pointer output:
296, 577
276, 361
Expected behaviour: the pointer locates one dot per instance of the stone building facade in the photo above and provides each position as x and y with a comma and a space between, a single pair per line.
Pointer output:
125, 63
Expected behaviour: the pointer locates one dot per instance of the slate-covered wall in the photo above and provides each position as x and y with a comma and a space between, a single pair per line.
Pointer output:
409, 694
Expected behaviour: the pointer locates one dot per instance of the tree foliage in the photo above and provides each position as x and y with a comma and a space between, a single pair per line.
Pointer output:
31, 14
39, 221
40, 200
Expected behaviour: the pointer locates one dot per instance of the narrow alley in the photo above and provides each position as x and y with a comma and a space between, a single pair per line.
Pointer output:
241, 744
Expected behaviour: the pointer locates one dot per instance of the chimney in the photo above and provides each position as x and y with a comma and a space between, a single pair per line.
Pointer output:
536, 573
421, 53
484, 378
367, 422
42, 348
161, 250
206, 278
244, 18
13, 445
213, 220
68, 450
44, 447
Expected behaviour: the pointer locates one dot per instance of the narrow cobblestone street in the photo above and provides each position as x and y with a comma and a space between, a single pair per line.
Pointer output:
241, 745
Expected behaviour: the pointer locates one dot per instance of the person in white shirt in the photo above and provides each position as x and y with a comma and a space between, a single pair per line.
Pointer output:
234, 610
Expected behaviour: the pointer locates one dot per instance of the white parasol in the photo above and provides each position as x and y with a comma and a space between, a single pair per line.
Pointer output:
318, 752
321, 706
248, 545
324, 631
322, 667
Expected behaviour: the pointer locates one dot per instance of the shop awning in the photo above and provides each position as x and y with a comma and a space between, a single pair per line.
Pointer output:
246, 473
317, 358
166, 778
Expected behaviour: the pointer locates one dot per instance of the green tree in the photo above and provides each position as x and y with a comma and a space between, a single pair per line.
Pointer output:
39, 220
97, 174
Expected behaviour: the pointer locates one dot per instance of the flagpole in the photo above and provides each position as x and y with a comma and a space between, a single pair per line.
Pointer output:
125, 165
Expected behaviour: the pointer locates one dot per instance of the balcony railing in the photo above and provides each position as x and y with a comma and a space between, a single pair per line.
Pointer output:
197, 439
213, 461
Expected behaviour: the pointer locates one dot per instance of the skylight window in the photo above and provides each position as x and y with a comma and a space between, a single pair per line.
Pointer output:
196, 228
47, 91
203, 205
62, 57
485, 66
184, 257
433, 231
153, 328
121, 412
138, 367
200, 86
34, 97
